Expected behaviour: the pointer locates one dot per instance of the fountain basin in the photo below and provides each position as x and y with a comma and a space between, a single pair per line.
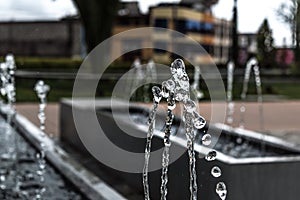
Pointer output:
64, 178
254, 166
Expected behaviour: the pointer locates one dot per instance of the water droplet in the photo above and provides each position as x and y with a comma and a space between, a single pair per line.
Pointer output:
211, 156
206, 139
178, 68
2, 178
216, 172
190, 106
239, 140
181, 95
156, 93
199, 121
221, 190
169, 85
229, 120
243, 109
184, 82
231, 105
171, 102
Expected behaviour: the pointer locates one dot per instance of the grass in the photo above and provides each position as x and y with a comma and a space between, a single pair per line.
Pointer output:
63, 87
58, 89
289, 90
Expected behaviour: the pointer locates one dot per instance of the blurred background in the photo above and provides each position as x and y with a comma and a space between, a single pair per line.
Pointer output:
255, 45
53, 37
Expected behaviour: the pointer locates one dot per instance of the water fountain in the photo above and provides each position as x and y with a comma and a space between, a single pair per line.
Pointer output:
139, 74
148, 72
11, 156
195, 87
41, 89
252, 63
151, 76
230, 104
177, 88
241, 168
20, 176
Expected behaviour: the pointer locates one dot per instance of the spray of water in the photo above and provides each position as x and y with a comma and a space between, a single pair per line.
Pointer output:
230, 104
196, 85
41, 89
252, 63
8, 89
156, 99
177, 88
150, 76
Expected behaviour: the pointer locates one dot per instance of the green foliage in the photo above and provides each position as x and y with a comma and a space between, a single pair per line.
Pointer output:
59, 89
47, 64
289, 90
266, 53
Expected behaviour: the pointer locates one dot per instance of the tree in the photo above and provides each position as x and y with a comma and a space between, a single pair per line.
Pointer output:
289, 12
235, 44
265, 48
97, 17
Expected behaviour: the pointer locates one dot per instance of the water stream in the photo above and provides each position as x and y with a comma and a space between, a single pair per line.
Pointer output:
41, 89
151, 123
195, 87
177, 88
230, 104
151, 77
252, 63
8, 89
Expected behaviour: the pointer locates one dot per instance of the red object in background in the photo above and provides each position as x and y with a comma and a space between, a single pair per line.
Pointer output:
284, 56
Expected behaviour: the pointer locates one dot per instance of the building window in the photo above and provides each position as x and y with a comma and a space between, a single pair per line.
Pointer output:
208, 28
180, 26
193, 26
184, 26
162, 23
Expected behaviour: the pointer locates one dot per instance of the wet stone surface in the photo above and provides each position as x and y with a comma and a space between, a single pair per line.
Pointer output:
25, 172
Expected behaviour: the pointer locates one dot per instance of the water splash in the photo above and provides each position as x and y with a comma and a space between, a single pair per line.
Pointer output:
168, 86
221, 190
259, 95
249, 65
230, 104
178, 88
211, 156
41, 89
156, 99
252, 63
192, 119
206, 139
139, 75
196, 86
151, 76
8, 89
216, 172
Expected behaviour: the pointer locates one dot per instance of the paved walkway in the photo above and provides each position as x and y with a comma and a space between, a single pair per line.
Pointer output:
281, 119
30, 111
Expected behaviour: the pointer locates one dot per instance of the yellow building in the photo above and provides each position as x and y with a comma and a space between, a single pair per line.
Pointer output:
211, 33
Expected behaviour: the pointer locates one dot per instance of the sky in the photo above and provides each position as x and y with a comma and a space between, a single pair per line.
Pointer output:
251, 13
